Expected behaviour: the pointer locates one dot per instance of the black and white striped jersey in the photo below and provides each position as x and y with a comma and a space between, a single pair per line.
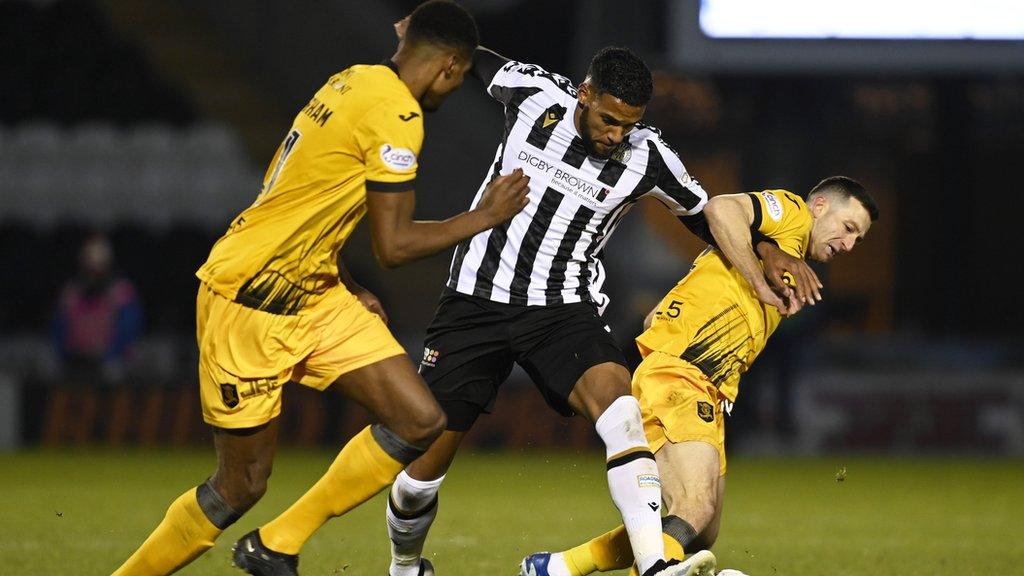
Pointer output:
550, 252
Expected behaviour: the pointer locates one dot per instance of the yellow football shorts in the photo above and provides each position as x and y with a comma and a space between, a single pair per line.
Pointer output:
246, 356
678, 404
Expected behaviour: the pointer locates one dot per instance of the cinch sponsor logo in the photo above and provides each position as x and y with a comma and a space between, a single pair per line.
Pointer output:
774, 207
397, 158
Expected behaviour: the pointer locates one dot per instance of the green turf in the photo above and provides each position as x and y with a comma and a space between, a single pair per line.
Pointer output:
83, 512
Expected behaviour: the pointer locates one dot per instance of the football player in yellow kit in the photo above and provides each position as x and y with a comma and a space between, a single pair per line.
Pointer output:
274, 305
699, 340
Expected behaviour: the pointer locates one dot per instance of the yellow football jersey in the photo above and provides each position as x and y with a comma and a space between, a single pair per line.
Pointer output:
712, 317
361, 131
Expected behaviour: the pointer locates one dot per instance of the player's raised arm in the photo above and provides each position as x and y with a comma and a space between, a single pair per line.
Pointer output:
398, 239
729, 218
486, 64
777, 264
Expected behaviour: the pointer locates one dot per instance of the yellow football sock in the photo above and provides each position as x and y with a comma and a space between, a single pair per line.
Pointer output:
183, 535
611, 551
360, 471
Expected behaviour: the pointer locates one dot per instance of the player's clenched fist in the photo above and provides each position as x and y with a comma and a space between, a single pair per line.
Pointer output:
506, 196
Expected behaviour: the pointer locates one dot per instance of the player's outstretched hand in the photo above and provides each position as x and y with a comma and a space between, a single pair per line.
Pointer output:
506, 196
802, 286
371, 303
786, 304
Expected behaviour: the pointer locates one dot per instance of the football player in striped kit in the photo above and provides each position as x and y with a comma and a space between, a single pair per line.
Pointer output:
529, 291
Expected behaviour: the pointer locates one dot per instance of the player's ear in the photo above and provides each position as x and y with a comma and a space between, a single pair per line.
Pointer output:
450, 65
818, 204
584, 92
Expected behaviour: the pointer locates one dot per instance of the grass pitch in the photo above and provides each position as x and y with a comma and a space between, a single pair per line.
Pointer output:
83, 512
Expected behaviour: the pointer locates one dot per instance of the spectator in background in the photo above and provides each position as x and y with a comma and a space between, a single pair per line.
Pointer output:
98, 317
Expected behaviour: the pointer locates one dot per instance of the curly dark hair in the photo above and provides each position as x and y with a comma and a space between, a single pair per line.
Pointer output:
445, 23
619, 72
847, 188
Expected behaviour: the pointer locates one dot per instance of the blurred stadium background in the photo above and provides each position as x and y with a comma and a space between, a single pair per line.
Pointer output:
136, 129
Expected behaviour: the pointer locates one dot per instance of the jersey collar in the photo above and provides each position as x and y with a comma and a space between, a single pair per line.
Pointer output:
390, 64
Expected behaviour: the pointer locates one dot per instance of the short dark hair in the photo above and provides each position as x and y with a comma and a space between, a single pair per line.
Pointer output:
847, 188
445, 23
619, 72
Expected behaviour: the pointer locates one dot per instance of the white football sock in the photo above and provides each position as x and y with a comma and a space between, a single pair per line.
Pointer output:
633, 479
557, 565
412, 507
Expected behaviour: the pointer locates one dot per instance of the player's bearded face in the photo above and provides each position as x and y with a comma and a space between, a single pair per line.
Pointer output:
605, 121
839, 225
447, 81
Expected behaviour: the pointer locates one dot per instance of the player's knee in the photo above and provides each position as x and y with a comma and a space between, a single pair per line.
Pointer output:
428, 427
420, 427
257, 487
594, 400
698, 514
243, 488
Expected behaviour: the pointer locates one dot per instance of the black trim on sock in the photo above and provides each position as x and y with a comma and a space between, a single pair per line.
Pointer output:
217, 510
402, 515
394, 446
680, 530
615, 462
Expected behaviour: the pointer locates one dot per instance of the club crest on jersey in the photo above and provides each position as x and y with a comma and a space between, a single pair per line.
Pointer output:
706, 411
430, 357
623, 153
399, 159
773, 205
229, 394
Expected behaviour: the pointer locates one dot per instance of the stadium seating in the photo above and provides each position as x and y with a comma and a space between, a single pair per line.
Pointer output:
99, 174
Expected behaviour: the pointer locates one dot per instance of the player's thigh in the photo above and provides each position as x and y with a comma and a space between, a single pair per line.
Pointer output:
393, 392
597, 388
349, 338
466, 357
689, 480
245, 459
678, 404
245, 358
568, 346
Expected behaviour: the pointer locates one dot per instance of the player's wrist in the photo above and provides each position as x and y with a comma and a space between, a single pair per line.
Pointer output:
489, 216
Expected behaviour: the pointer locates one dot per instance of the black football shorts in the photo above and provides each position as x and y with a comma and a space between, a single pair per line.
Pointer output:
472, 343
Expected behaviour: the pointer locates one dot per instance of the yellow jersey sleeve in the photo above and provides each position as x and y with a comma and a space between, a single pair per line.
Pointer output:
390, 138
784, 217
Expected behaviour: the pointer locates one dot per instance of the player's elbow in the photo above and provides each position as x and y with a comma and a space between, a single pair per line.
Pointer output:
715, 206
725, 211
387, 260
649, 319
390, 255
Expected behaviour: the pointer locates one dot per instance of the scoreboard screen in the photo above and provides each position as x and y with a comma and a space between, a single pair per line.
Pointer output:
864, 19
847, 36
